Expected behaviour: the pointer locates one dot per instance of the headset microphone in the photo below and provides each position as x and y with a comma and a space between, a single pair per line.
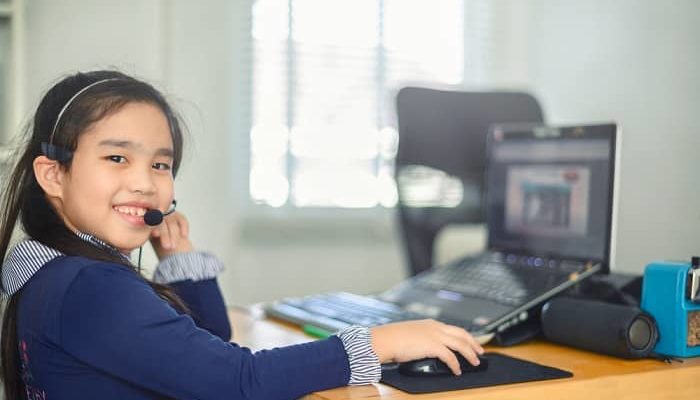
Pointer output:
154, 217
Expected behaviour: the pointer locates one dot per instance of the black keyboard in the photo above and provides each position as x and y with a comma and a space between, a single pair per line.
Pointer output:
494, 278
335, 311
490, 278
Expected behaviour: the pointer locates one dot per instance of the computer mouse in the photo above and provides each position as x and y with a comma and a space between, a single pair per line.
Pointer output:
435, 367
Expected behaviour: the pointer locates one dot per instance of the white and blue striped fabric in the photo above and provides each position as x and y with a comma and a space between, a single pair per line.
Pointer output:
364, 363
97, 242
30, 255
22, 263
194, 266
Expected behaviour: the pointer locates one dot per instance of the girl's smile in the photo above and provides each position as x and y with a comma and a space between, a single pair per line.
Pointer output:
133, 212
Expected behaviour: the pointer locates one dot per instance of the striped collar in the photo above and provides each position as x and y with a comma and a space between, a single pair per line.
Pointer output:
29, 255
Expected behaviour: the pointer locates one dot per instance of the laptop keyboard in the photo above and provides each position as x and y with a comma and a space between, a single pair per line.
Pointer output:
506, 283
494, 278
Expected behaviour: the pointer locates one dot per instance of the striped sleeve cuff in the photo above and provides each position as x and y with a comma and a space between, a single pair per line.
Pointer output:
194, 266
364, 363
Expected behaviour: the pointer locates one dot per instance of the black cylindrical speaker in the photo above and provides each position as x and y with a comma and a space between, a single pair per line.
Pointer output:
617, 330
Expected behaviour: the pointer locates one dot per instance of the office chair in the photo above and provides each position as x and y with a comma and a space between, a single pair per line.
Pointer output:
440, 162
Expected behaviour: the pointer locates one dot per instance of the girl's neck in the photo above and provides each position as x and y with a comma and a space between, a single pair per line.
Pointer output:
101, 243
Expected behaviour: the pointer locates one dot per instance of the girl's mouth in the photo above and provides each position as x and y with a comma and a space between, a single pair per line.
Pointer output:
133, 215
130, 211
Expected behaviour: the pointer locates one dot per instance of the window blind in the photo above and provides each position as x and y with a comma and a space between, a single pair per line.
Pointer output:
324, 76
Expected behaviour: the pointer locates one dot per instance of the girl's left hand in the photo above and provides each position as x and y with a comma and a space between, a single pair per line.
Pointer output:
171, 236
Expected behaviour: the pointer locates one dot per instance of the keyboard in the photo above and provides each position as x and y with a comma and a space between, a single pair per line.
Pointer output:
495, 277
335, 311
508, 283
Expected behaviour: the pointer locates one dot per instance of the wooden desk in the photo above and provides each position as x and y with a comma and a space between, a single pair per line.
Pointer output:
595, 376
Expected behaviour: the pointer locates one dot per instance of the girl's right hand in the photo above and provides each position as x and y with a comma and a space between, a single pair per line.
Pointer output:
412, 340
171, 236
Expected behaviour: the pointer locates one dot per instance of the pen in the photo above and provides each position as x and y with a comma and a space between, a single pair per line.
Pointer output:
316, 331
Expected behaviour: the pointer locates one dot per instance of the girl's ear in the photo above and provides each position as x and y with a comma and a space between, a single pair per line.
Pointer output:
49, 175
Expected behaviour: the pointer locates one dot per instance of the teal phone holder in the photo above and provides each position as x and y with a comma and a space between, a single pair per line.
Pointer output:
671, 294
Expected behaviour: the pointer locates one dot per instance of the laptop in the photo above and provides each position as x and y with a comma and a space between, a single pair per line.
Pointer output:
549, 203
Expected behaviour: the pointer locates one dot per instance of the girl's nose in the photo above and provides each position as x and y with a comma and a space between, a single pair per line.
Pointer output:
141, 181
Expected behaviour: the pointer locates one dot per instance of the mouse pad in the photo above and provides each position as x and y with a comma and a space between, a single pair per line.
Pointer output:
502, 370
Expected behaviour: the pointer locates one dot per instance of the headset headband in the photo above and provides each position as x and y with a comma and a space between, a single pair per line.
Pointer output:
60, 153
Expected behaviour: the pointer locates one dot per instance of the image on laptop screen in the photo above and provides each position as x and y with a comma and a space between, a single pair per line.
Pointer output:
550, 191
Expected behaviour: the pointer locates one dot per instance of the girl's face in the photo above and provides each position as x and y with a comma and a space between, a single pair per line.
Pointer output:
121, 167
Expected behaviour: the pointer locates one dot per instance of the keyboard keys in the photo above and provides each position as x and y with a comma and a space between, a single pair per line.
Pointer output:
491, 278
505, 279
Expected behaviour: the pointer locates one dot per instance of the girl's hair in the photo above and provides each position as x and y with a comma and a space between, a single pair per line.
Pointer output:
24, 199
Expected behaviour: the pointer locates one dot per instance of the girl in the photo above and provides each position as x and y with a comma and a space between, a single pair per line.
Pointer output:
80, 320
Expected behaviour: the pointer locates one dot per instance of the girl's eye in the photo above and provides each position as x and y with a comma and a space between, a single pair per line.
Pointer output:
117, 159
161, 166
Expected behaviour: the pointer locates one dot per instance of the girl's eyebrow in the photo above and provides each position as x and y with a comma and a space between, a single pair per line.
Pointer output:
127, 144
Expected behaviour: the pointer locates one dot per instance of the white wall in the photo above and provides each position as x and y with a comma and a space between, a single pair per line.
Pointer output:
635, 62
67, 36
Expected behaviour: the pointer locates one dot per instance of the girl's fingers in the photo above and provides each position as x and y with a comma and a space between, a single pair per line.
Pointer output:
469, 354
165, 240
475, 344
449, 358
174, 232
184, 226
171, 236
464, 348
465, 336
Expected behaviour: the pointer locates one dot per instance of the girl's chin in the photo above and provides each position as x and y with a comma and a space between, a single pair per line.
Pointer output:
128, 248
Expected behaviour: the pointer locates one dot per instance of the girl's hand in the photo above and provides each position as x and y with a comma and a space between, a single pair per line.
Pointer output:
171, 236
412, 340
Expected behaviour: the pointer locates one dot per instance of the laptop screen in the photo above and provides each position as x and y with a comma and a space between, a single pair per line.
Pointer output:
550, 190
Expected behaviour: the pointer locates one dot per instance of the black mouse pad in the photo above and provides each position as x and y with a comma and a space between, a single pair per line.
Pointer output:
502, 370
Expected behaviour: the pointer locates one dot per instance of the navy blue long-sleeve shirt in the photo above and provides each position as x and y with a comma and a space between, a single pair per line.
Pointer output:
90, 329
206, 305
